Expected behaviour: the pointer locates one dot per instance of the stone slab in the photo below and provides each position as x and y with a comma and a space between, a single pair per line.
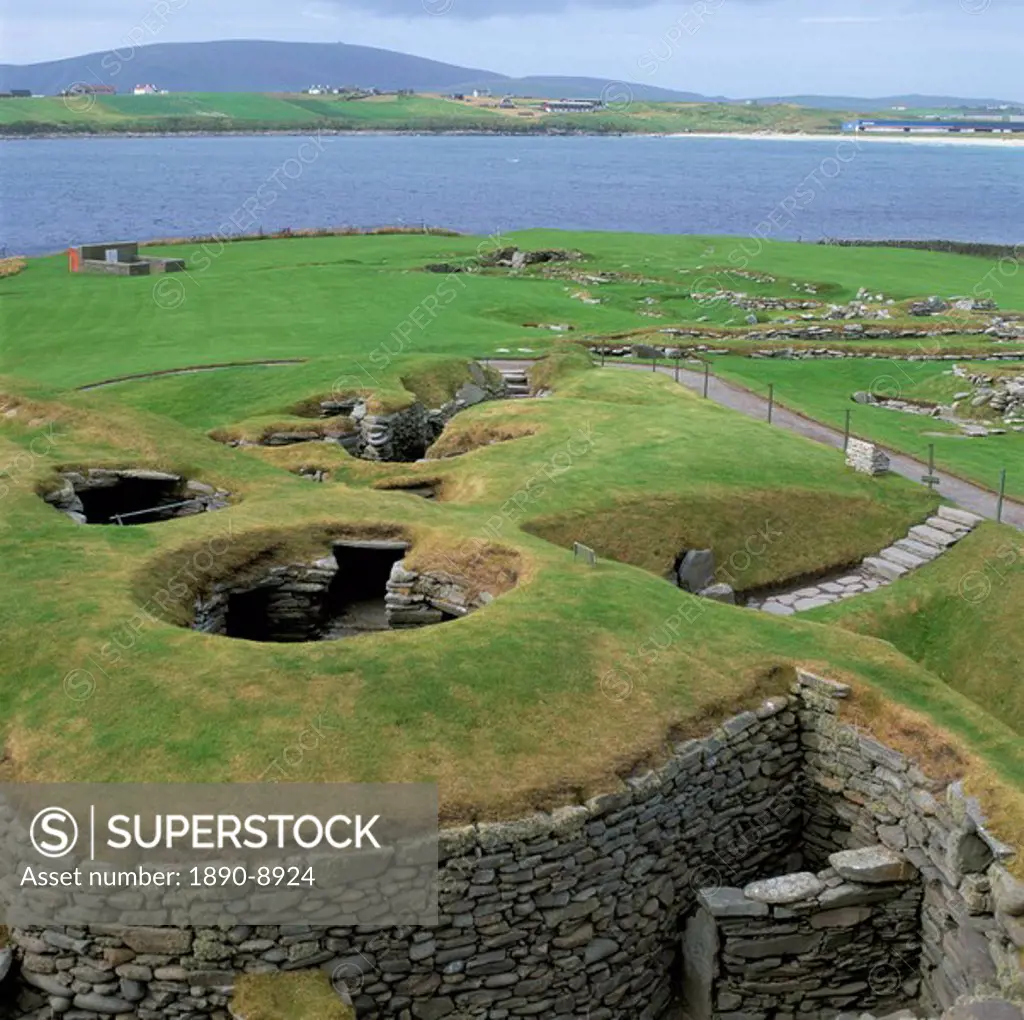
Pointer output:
962, 517
785, 889
872, 865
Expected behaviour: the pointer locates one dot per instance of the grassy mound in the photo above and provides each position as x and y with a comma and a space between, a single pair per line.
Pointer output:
576, 676
960, 618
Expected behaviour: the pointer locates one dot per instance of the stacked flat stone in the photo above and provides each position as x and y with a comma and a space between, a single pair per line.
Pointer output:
860, 792
575, 914
866, 458
967, 1007
406, 434
922, 544
295, 598
803, 945
572, 914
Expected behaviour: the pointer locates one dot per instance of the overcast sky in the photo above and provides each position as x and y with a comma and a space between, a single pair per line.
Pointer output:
731, 47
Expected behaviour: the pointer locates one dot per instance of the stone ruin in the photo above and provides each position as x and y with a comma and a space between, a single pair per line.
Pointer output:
807, 944
131, 496
694, 571
785, 866
363, 587
401, 436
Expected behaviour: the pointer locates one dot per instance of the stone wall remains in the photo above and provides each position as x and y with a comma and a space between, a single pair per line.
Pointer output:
860, 793
580, 913
572, 914
805, 944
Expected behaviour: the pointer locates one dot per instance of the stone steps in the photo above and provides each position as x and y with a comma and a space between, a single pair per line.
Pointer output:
922, 544
517, 383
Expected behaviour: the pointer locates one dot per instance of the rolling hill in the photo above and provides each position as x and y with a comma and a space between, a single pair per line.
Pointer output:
247, 65
239, 66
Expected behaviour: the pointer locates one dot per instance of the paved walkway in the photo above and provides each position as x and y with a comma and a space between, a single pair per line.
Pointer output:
956, 490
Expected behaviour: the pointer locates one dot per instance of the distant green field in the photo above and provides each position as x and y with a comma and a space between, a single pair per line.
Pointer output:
823, 390
255, 111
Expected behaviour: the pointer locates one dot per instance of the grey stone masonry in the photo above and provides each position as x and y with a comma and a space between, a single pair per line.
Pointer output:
577, 913
861, 793
571, 914
416, 599
866, 458
811, 945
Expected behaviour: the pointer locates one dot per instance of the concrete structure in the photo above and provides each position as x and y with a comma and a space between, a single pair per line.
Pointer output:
120, 259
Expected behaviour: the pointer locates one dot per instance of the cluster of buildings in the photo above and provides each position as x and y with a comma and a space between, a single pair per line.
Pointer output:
346, 90
981, 124
550, 105
85, 89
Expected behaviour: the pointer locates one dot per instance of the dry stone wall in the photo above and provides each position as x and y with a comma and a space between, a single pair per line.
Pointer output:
860, 793
580, 913
572, 914
802, 945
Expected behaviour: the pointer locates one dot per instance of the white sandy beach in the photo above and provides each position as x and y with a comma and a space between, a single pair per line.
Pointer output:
1009, 142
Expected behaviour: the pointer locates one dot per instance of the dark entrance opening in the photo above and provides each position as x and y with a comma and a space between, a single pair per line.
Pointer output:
425, 489
131, 496
132, 501
252, 616
355, 598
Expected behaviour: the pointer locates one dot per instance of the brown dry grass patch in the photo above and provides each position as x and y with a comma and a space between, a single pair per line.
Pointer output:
469, 436
487, 566
588, 744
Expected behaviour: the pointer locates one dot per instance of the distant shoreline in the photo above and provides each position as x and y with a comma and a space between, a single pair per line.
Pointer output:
799, 136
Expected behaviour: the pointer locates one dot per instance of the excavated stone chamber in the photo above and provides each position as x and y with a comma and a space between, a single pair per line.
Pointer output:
131, 496
362, 587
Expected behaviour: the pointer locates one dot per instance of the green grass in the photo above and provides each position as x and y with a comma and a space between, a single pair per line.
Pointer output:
257, 111
959, 618
629, 461
823, 390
